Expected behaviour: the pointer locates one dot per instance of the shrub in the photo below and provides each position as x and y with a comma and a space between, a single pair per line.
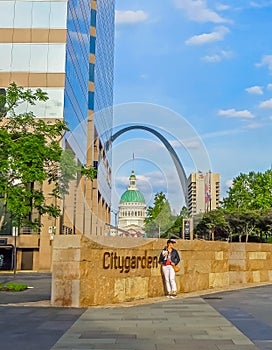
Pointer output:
11, 286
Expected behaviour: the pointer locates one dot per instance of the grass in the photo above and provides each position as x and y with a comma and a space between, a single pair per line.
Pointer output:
12, 287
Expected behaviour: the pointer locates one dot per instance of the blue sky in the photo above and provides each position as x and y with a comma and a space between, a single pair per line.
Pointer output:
206, 64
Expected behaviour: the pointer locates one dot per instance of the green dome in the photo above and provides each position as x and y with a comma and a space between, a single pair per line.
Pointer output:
132, 196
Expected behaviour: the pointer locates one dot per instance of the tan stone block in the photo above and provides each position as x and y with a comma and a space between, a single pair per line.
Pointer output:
253, 247
237, 265
136, 288
269, 261
218, 280
253, 265
219, 255
189, 283
62, 255
198, 266
237, 255
96, 290
75, 284
156, 271
220, 266
61, 292
64, 241
236, 247
269, 275
119, 290
236, 277
249, 277
264, 276
256, 276
156, 286
257, 255
66, 270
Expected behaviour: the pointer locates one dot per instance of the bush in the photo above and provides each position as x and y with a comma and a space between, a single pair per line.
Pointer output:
11, 286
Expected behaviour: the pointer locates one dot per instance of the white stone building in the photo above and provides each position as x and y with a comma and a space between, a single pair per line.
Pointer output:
132, 209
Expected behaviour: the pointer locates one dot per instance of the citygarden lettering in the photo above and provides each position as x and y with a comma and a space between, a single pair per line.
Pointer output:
111, 260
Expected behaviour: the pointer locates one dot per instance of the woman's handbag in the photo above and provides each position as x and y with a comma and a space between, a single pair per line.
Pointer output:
176, 268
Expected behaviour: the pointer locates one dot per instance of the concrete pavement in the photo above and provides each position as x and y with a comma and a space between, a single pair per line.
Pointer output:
228, 320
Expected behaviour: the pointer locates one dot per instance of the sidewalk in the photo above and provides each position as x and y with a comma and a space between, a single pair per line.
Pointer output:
227, 320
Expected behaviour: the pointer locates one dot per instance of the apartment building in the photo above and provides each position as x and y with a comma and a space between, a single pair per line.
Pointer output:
203, 192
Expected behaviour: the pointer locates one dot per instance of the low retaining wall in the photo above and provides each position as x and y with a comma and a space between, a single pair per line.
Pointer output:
88, 272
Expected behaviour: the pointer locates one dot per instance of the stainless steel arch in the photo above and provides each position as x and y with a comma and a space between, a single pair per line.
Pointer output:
178, 165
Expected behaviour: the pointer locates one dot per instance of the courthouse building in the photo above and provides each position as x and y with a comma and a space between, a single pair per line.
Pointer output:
132, 210
64, 47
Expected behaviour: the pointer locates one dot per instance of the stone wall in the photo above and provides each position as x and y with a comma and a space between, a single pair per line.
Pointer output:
88, 272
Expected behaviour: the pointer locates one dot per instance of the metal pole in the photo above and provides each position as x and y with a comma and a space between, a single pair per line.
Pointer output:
15, 252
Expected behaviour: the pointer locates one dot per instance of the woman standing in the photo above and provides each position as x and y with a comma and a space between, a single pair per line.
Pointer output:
169, 257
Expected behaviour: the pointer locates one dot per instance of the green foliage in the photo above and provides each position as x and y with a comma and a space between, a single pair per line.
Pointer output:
30, 155
177, 225
237, 225
250, 191
159, 217
11, 286
213, 225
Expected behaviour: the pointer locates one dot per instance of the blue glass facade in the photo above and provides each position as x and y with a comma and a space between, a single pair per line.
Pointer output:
77, 71
103, 96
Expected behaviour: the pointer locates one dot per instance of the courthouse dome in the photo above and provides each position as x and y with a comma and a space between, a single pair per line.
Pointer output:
132, 196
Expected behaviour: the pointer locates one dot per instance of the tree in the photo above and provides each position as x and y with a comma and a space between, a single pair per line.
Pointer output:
177, 226
250, 191
243, 223
30, 155
212, 225
159, 217
265, 224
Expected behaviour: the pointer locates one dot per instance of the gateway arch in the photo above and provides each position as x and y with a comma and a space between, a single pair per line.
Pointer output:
178, 165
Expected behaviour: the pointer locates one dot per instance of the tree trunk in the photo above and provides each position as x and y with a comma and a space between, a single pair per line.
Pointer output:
2, 219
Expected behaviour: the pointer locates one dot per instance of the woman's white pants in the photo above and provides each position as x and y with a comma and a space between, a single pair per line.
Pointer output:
169, 276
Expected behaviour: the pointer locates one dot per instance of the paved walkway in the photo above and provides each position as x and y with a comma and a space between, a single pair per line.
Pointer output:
229, 320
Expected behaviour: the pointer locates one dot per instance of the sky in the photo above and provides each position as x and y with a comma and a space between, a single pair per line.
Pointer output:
201, 73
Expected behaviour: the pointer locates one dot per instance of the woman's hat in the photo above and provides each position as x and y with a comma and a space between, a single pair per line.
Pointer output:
170, 241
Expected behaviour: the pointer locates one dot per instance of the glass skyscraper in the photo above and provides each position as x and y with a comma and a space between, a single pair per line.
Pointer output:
66, 47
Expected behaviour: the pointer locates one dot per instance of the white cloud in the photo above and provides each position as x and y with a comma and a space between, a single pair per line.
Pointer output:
270, 117
260, 5
229, 183
130, 17
232, 113
255, 90
217, 57
188, 144
205, 38
222, 7
197, 10
266, 104
191, 144
253, 126
266, 61
212, 58
269, 86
